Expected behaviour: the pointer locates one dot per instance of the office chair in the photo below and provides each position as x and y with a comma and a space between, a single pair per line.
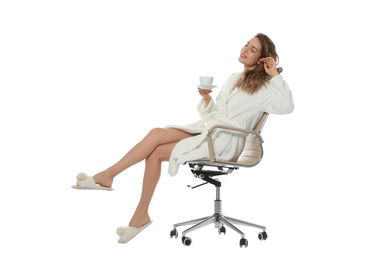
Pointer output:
250, 156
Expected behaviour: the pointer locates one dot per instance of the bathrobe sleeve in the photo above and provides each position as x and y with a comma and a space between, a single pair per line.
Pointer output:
212, 107
205, 111
278, 99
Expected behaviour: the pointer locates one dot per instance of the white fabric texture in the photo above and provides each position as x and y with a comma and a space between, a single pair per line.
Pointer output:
233, 107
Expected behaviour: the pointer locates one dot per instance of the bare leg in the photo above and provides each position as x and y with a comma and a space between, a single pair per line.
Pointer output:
151, 178
156, 137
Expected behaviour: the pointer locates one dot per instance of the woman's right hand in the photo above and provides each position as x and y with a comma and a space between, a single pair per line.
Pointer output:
205, 93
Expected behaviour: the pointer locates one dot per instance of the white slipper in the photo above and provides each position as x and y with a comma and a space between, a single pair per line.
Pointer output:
85, 182
127, 233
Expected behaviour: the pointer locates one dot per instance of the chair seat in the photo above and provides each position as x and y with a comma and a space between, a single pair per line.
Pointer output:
207, 162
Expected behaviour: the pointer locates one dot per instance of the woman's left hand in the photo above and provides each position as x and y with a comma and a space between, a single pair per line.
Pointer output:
270, 66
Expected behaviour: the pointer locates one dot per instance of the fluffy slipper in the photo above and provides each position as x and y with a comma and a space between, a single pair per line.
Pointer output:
127, 233
85, 182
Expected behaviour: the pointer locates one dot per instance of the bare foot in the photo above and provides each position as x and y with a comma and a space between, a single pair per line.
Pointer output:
139, 221
103, 178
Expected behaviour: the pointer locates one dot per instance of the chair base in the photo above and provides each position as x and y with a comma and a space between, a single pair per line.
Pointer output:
220, 222
217, 218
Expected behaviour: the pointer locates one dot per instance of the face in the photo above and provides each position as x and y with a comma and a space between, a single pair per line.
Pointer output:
251, 53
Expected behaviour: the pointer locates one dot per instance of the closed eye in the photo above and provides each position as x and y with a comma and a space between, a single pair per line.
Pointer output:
253, 49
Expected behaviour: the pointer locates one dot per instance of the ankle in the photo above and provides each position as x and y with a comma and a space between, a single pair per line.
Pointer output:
139, 219
111, 172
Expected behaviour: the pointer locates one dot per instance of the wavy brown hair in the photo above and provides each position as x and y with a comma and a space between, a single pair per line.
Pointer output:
251, 81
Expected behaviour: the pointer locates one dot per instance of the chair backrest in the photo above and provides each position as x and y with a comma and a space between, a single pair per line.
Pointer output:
253, 150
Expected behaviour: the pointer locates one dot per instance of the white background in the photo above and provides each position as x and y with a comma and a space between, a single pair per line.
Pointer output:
83, 81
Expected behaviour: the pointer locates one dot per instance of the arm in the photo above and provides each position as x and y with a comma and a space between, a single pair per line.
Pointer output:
206, 104
279, 100
205, 93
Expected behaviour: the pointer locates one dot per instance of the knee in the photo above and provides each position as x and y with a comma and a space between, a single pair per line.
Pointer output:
156, 132
158, 155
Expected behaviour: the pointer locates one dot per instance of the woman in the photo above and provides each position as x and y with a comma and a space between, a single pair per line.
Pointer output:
241, 102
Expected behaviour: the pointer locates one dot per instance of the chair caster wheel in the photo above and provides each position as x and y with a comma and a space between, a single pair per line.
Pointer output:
222, 230
263, 235
243, 242
186, 241
174, 233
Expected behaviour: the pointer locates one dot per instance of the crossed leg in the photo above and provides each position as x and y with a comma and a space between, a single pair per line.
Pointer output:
155, 148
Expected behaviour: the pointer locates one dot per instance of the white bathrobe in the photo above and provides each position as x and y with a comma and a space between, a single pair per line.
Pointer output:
233, 107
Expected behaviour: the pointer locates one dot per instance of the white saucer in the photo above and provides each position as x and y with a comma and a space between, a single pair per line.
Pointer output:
206, 86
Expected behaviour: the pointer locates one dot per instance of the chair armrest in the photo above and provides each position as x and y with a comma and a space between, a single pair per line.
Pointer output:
211, 129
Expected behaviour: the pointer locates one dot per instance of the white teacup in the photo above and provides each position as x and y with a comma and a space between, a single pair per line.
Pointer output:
206, 80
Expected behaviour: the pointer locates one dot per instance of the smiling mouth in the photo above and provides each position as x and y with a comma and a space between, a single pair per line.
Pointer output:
242, 55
